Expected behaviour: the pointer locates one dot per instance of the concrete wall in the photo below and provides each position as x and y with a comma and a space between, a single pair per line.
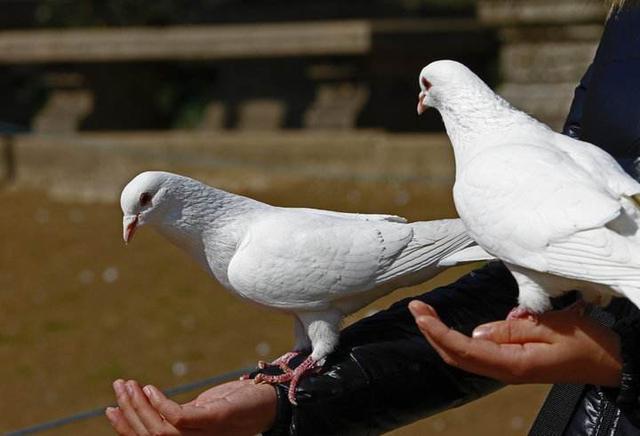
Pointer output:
546, 45
95, 166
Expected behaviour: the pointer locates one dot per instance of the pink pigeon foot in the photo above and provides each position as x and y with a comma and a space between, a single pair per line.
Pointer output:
308, 365
273, 379
520, 312
282, 361
292, 376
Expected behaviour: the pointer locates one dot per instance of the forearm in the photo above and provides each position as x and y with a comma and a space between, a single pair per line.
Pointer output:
385, 374
380, 388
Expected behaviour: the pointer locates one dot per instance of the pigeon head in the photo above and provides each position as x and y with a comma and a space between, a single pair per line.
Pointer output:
142, 200
440, 80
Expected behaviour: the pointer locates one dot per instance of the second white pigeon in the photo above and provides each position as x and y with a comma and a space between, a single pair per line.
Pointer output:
317, 265
561, 213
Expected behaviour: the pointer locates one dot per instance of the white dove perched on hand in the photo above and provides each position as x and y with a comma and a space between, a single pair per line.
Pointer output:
561, 213
314, 264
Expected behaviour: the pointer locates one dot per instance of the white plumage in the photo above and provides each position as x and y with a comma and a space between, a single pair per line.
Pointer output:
317, 265
561, 213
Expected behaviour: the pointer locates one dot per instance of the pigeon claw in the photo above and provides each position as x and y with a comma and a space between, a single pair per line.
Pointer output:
520, 312
293, 376
272, 379
283, 361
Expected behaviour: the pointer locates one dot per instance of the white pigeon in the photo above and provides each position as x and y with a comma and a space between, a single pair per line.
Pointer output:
560, 213
317, 265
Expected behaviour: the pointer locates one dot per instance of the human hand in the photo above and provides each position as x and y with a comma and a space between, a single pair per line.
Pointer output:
234, 408
564, 346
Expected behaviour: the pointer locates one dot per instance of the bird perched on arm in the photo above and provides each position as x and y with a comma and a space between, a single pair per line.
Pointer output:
561, 213
316, 265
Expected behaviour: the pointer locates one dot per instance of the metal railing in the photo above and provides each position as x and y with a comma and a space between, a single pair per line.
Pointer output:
99, 411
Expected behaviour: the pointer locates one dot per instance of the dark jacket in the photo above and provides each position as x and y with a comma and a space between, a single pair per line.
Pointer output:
384, 374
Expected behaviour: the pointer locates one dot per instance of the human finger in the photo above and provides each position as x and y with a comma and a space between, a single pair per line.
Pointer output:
419, 308
148, 415
118, 421
506, 362
173, 412
127, 409
514, 331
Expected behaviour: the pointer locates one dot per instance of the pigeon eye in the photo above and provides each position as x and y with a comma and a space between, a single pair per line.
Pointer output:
145, 198
425, 83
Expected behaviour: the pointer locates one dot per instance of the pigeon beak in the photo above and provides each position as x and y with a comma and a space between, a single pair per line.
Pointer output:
421, 106
129, 224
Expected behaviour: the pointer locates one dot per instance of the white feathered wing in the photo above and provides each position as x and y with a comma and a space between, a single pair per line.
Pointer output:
579, 221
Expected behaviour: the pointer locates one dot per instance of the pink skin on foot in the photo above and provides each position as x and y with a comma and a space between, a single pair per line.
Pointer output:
283, 362
293, 377
307, 366
519, 312
273, 379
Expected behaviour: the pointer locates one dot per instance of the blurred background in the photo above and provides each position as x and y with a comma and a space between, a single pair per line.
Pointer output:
297, 103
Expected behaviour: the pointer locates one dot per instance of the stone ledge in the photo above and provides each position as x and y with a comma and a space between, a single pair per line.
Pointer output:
513, 12
185, 42
95, 166
221, 42
552, 33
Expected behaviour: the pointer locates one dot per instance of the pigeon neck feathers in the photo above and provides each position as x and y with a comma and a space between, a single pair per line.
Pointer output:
196, 213
477, 118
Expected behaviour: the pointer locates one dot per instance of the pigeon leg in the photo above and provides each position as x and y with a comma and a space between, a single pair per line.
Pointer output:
301, 343
293, 377
323, 331
307, 366
283, 361
532, 297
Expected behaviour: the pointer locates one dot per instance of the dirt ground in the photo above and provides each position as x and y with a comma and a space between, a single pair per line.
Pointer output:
79, 309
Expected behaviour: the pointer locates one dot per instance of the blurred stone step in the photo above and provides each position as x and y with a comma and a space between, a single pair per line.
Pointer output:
548, 102
261, 114
95, 166
64, 111
548, 62
336, 106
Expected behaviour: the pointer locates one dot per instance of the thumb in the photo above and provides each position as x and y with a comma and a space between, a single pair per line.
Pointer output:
419, 308
515, 331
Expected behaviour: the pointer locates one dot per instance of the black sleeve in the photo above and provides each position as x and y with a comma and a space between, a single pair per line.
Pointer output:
573, 124
385, 375
627, 395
